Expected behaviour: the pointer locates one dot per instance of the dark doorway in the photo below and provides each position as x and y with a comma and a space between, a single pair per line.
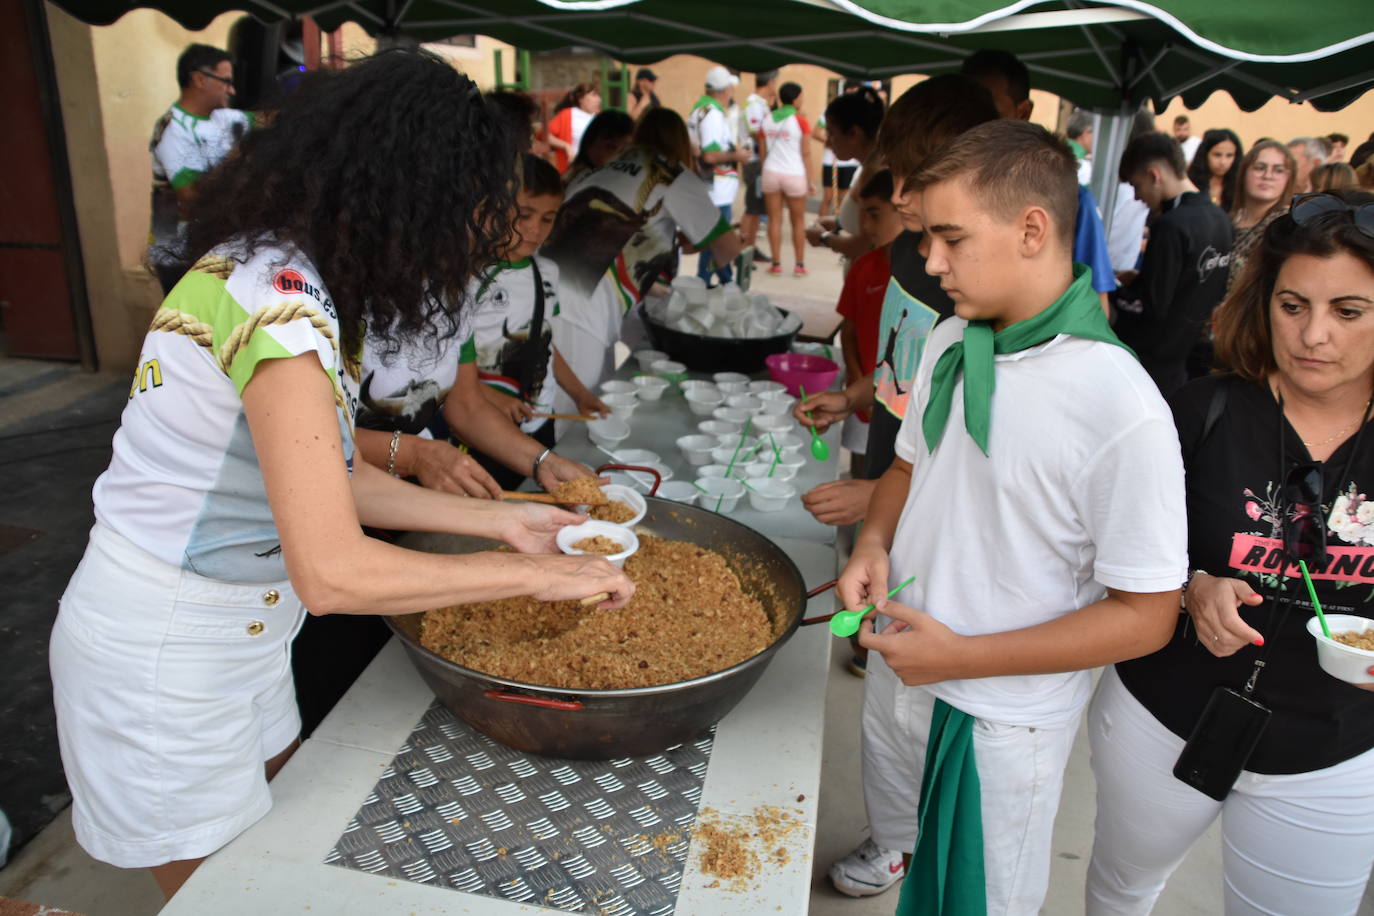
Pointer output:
43, 309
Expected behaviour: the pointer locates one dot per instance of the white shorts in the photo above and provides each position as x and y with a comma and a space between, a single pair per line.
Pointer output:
1020, 775
854, 434
787, 185
171, 691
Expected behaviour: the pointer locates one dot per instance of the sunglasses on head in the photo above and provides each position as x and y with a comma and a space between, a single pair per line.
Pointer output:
1304, 535
1307, 207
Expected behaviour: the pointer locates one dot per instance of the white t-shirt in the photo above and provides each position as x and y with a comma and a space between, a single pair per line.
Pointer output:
186, 146
404, 385
1128, 229
1082, 490
785, 131
1190, 149
848, 216
184, 482
711, 131
501, 322
756, 111
580, 120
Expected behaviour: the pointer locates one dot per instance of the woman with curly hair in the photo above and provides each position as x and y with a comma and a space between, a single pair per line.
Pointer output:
1215, 169
234, 502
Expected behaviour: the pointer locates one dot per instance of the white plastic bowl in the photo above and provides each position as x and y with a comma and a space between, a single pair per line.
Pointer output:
722, 494
711, 470
756, 469
650, 387
730, 440
616, 386
744, 402
1354, 666
689, 384
637, 456
731, 415
731, 388
679, 491
571, 534
718, 428
787, 444
608, 432
764, 386
645, 482
776, 403
622, 403
669, 369
647, 358
703, 402
621, 493
770, 495
723, 454
729, 377
697, 449
789, 466
774, 424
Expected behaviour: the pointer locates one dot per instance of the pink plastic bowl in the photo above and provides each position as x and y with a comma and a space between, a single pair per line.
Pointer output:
799, 370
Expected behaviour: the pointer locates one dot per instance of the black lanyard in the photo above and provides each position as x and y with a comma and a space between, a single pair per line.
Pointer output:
530, 363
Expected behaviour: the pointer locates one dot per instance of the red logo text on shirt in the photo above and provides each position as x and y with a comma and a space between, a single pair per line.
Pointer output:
1250, 553
289, 281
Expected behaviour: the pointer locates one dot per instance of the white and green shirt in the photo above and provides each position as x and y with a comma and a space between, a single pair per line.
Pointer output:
504, 310
184, 482
404, 382
184, 147
710, 130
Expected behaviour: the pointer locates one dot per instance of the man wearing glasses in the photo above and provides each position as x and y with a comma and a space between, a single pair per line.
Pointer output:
189, 140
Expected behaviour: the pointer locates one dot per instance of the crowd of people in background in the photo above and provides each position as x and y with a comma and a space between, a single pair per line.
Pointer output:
977, 259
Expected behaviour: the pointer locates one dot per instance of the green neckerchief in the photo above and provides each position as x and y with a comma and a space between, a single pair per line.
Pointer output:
946, 876
1077, 312
783, 113
708, 100
1079, 151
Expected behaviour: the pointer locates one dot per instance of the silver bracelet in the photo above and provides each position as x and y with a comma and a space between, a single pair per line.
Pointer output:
534, 474
1183, 595
391, 456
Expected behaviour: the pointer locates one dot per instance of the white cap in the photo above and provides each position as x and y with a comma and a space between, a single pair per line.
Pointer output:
718, 78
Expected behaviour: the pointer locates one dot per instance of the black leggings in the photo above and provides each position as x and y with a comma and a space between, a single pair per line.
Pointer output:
505, 478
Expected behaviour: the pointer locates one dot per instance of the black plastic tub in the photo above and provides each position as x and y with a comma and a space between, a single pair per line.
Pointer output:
718, 354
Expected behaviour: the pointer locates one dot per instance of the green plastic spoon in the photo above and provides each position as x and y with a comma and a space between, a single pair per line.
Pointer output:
819, 450
846, 623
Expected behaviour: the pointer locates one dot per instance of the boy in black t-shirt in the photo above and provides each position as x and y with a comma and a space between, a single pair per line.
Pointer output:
1164, 311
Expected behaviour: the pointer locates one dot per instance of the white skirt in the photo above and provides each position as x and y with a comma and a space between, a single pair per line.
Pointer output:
171, 691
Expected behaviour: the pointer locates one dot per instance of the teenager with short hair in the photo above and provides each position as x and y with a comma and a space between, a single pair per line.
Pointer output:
1164, 313
1028, 416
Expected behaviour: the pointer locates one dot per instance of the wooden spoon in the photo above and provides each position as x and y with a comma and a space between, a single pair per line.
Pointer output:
549, 498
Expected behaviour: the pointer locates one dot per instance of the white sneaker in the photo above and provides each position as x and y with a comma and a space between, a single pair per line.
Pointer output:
868, 870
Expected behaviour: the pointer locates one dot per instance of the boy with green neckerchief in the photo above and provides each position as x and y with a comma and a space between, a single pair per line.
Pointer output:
1037, 497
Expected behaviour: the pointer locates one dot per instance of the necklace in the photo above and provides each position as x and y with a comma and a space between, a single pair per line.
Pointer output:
1332, 438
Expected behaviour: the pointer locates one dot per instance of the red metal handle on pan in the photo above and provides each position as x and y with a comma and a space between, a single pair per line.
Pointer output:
527, 700
658, 478
819, 589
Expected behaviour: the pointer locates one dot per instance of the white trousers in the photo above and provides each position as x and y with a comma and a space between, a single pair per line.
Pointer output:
1020, 775
1296, 845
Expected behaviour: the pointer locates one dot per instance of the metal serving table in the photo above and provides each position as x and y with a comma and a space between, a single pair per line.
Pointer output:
766, 752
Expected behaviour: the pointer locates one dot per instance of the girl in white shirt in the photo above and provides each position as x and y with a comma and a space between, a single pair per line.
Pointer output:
787, 174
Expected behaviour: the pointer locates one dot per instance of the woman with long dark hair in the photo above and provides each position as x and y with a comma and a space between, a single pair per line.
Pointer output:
853, 120
1215, 169
1279, 455
234, 501
605, 138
